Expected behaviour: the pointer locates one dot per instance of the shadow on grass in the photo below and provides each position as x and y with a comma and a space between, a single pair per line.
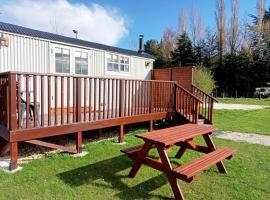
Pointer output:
107, 170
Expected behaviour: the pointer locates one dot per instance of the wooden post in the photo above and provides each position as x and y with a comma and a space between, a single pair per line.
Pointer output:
79, 142
13, 156
121, 108
151, 126
151, 104
197, 110
100, 132
212, 111
121, 134
12, 106
175, 98
12, 101
78, 113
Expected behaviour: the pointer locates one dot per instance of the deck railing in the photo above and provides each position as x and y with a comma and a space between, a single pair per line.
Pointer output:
30, 100
187, 104
207, 106
4, 99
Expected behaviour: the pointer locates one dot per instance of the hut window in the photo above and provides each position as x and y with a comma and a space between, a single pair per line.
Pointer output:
62, 60
116, 63
124, 64
81, 63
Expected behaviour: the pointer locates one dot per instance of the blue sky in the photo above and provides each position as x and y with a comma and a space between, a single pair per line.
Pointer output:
151, 17
112, 22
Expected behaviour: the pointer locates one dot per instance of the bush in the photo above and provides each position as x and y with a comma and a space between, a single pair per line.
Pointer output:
204, 79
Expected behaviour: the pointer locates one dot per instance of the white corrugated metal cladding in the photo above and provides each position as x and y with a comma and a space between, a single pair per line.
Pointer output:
32, 54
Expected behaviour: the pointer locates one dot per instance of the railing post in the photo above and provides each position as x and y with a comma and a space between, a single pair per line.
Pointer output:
151, 98
12, 94
197, 108
78, 99
121, 109
211, 111
12, 107
121, 98
78, 112
175, 98
151, 105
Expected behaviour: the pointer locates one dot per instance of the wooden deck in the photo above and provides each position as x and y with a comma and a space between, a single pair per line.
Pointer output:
91, 103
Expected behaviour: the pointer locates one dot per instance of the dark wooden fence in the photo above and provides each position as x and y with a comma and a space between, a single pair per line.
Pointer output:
182, 75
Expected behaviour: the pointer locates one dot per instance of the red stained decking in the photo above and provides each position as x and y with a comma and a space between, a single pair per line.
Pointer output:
92, 103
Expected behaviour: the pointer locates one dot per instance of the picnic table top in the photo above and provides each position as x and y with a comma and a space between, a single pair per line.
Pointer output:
173, 135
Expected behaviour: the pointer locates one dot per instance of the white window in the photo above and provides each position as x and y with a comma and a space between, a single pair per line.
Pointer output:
62, 60
117, 63
81, 63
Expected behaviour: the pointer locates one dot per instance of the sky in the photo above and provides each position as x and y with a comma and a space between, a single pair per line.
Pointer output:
113, 22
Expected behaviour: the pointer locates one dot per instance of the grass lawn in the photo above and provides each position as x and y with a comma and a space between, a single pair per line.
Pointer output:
249, 121
251, 101
102, 174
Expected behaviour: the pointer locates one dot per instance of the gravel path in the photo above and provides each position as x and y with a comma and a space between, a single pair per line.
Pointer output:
238, 106
247, 137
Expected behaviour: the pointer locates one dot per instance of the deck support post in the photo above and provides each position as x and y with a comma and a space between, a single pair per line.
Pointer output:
13, 156
79, 142
100, 132
12, 110
121, 134
151, 126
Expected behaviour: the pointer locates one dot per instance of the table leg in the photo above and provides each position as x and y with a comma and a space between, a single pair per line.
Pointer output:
210, 144
139, 160
168, 150
181, 151
168, 170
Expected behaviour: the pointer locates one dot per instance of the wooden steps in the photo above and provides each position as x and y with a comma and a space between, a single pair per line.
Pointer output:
187, 171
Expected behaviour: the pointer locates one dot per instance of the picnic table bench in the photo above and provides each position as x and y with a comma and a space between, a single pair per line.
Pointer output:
163, 140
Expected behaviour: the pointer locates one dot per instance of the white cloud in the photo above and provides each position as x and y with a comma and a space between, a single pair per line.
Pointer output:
93, 22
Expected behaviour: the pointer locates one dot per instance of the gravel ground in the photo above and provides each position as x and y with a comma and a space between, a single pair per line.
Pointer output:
238, 106
246, 137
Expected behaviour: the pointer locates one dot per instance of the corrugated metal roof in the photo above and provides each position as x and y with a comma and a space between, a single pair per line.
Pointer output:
50, 36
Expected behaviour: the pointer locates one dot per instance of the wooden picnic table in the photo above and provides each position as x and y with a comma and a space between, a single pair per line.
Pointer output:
163, 140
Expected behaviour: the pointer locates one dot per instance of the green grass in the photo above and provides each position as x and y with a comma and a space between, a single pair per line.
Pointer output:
251, 101
102, 174
249, 121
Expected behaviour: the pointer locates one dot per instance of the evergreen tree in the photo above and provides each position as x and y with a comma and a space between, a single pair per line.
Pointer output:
183, 55
153, 47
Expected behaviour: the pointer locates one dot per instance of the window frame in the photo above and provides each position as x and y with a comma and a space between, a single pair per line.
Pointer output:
87, 59
118, 62
55, 59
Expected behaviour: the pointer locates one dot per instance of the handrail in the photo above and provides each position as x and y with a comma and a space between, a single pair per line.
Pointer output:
59, 99
178, 85
187, 104
207, 107
194, 86
77, 76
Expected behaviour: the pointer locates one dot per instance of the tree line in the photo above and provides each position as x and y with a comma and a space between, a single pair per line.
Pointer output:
236, 52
